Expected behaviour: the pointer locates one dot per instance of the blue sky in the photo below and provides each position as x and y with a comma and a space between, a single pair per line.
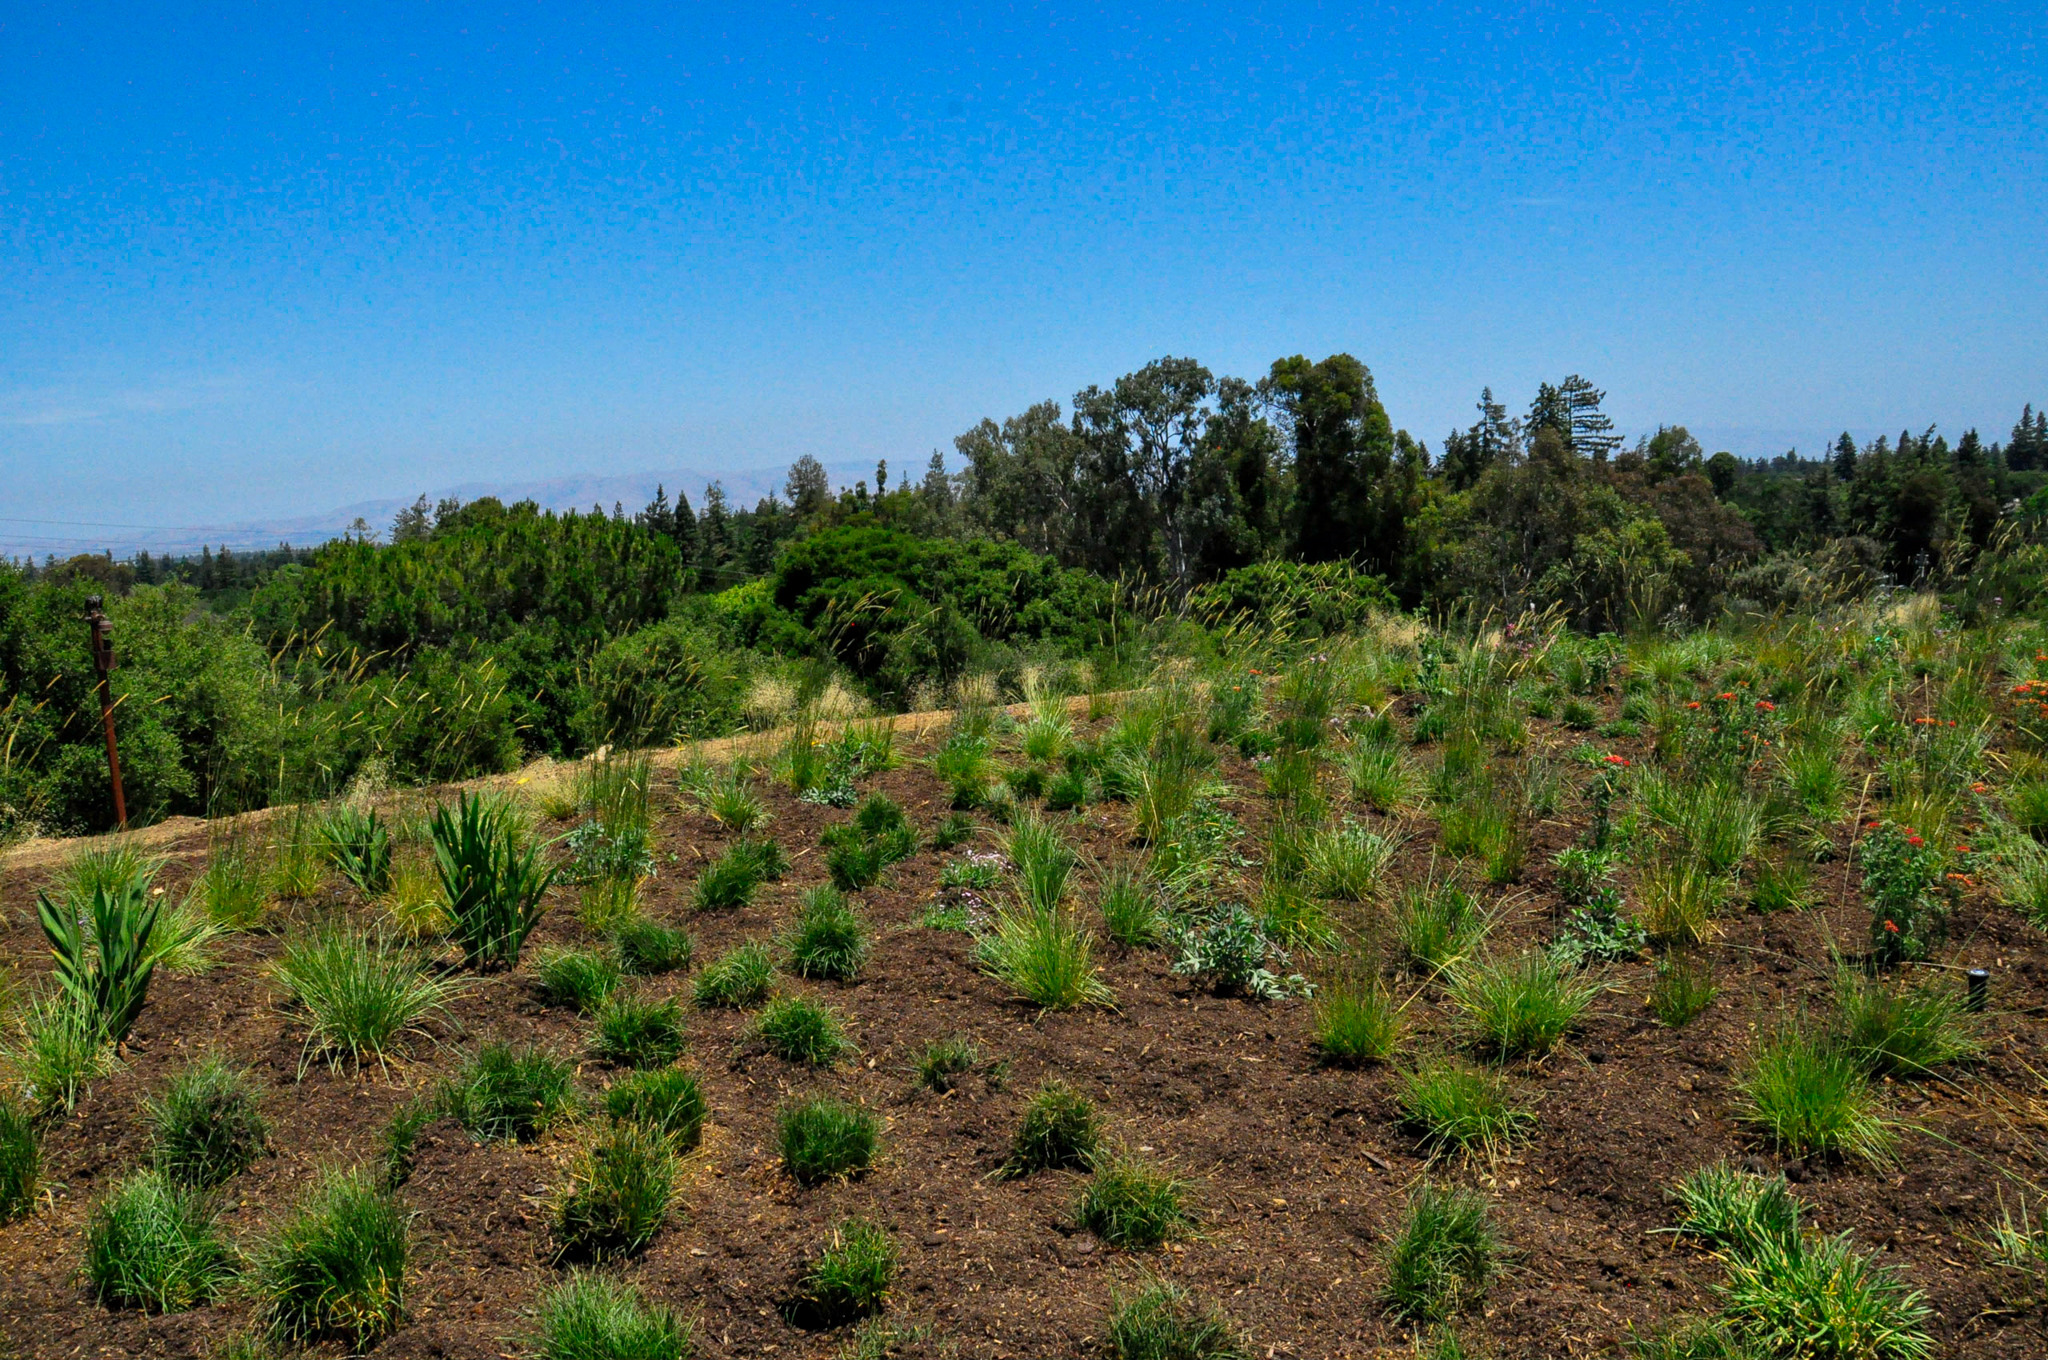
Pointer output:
267, 259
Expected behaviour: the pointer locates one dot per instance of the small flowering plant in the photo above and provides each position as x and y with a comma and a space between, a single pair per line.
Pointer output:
1912, 886
1730, 729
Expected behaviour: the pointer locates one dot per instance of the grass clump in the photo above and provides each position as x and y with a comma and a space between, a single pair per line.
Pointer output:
1903, 1030
493, 878
1818, 1296
645, 946
1159, 1320
1519, 1007
1130, 908
580, 979
732, 879
207, 1127
594, 1317
502, 1092
617, 1195
1444, 1255
634, 1032
154, 1243
732, 802
944, 1061
849, 1278
1357, 1023
1460, 1108
336, 1267
1682, 990
1128, 1202
1810, 1096
796, 1029
358, 843
666, 1100
741, 977
1347, 862
1060, 1132
59, 1047
1381, 777
363, 993
402, 1134
21, 1161
1437, 924
879, 835
1731, 1210
829, 939
823, 1139
1045, 957
233, 890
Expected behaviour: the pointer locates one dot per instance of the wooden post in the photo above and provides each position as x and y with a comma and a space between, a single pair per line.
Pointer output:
103, 662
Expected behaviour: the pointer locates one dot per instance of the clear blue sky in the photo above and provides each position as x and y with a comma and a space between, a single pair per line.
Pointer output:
268, 259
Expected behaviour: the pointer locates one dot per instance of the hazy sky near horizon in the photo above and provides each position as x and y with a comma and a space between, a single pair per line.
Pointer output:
267, 259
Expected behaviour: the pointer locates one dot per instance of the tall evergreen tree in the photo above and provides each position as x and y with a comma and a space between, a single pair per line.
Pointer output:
808, 488
1587, 429
1346, 503
1844, 458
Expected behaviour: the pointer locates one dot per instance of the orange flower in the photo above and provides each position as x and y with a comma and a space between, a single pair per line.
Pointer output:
1694, 704
1977, 788
1767, 706
1892, 928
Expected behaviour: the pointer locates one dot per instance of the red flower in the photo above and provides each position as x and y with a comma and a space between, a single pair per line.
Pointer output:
1892, 928
1977, 788
1915, 842
1729, 695
1767, 706
1962, 849
1694, 704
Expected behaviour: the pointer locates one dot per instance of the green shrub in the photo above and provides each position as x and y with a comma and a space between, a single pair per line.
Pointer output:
1909, 902
829, 939
1464, 1109
207, 1127
1818, 1296
741, 977
665, 1100
580, 979
796, 1029
492, 876
944, 1061
1444, 1255
1047, 958
1357, 1023
363, 993
106, 949
336, 1267
502, 1092
849, 1279
1519, 1007
592, 1317
616, 1196
21, 1161
1159, 1320
1732, 1210
1060, 1132
1902, 1029
953, 829
1131, 1203
154, 1243
824, 1139
1809, 1096
634, 1032
646, 946
1682, 990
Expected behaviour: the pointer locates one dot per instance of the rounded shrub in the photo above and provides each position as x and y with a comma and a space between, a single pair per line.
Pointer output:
1060, 1132
154, 1243
207, 1126
617, 1195
336, 1268
823, 1139
666, 1100
796, 1029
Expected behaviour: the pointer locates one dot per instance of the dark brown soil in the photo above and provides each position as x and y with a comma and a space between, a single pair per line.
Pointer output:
1300, 1169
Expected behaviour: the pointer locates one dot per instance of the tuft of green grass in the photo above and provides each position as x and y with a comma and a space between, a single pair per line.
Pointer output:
1129, 1202
740, 977
1810, 1096
733, 804
877, 836
634, 1032
59, 1047
944, 1061
1677, 900
1159, 1320
155, 1243
21, 1161
616, 1196
1819, 1296
1045, 957
1732, 1210
731, 880
1781, 883
829, 939
208, 1126
502, 1092
1683, 989
1060, 1132
593, 1317
1687, 1339
1382, 777
1902, 1030
1444, 1256
1357, 1023
1437, 925
335, 1269
606, 900
645, 946
1346, 862
823, 1139
849, 1278
233, 890
401, 1135
363, 994
797, 1029
580, 979
665, 1100
1130, 908
1522, 1006
1465, 1109
358, 843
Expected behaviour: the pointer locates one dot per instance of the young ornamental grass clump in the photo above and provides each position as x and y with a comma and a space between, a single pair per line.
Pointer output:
1129, 1202
363, 994
848, 1279
1060, 1132
1521, 1006
493, 878
616, 1196
636, 1032
1045, 957
1347, 862
1357, 1023
1682, 990
665, 1100
1130, 908
502, 1092
944, 1061
21, 1161
646, 947
1902, 1030
1732, 1210
1458, 1108
823, 1139
336, 1267
208, 1126
829, 939
796, 1029
594, 1317
580, 979
741, 977
1810, 1096
731, 880
1159, 1320
1818, 1296
1437, 925
155, 1243
1444, 1255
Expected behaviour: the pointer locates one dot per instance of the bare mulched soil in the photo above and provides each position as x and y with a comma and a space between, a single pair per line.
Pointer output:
1299, 1170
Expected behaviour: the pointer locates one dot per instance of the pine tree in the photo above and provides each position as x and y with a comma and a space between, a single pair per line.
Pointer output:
1845, 457
412, 522
807, 487
1587, 428
2028, 450
714, 536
